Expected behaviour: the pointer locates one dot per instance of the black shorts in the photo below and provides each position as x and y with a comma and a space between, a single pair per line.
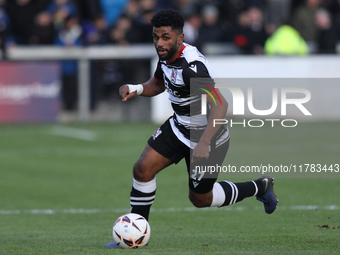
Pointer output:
166, 143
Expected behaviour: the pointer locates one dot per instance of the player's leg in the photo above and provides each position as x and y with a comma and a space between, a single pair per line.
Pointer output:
162, 150
227, 193
205, 191
149, 164
201, 183
144, 181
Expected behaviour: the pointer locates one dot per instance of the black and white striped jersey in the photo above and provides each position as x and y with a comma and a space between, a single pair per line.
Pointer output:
184, 98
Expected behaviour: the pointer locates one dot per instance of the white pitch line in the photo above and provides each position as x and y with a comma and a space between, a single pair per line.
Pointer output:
171, 209
76, 133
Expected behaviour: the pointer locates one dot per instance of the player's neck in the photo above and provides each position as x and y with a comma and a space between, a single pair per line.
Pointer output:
177, 54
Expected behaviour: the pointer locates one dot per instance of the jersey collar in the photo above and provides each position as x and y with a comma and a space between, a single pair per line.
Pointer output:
180, 52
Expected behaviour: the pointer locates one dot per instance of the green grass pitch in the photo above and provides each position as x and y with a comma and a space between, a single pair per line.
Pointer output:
60, 193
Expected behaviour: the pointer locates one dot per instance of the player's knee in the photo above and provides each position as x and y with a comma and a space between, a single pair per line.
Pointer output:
140, 173
198, 201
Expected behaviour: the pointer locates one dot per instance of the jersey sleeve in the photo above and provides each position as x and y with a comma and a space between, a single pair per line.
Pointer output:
196, 76
159, 72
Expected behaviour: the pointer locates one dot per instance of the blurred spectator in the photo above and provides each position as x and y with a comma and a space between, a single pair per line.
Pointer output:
241, 30
337, 24
70, 36
88, 9
327, 34
191, 28
147, 5
4, 23
229, 11
164, 4
43, 30
249, 34
132, 9
112, 9
100, 24
119, 33
258, 33
286, 41
60, 10
22, 15
186, 7
144, 27
210, 31
94, 32
303, 20
140, 14
277, 13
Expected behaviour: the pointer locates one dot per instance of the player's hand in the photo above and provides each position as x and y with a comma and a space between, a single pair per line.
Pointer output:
200, 152
124, 93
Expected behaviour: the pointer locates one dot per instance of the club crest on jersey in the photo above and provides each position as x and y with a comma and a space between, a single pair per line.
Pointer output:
173, 75
157, 133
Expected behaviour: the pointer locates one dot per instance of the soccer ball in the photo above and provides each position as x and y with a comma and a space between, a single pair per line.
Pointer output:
131, 230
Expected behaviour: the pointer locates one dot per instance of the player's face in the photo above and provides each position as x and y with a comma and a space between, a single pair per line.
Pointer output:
167, 42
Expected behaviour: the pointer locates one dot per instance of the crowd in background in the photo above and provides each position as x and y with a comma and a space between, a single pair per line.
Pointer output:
246, 24
284, 27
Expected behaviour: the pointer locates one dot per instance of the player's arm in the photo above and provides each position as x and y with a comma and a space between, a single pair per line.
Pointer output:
150, 88
217, 111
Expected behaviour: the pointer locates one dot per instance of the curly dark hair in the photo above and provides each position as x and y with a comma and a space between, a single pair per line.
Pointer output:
168, 17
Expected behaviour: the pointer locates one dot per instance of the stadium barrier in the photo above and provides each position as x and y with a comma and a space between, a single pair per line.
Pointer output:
227, 66
83, 55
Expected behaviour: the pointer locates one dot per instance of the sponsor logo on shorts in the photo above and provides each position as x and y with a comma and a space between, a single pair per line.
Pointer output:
195, 183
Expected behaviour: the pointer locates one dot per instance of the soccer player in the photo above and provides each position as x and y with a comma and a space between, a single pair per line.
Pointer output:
206, 145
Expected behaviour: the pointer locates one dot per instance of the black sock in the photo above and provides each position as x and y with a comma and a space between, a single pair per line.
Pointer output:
236, 192
141, 202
